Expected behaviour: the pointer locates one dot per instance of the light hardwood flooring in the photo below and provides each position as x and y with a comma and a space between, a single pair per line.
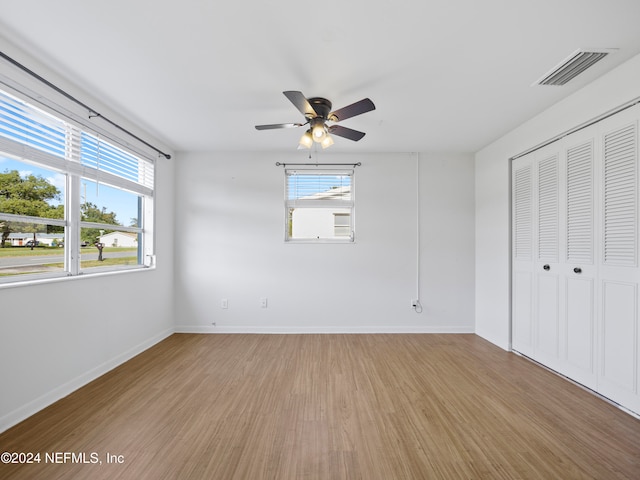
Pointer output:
330, 407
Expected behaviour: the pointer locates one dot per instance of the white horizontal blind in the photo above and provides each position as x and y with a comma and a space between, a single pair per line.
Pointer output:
321, 187
580, 203
26, 125
620, 196
30, 133
102, 156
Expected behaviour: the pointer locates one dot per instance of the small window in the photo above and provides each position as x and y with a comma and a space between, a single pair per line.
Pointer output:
319, 205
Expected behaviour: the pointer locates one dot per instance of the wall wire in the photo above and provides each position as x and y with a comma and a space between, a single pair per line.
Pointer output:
417, 307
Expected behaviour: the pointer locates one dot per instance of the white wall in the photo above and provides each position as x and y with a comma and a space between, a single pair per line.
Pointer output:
492, 188
57, 336
230, 224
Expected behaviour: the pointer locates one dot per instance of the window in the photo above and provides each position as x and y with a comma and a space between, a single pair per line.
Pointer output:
71, 201
319, 205
341, 224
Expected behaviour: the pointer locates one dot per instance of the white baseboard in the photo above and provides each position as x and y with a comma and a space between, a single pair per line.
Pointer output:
288, 329
20, 414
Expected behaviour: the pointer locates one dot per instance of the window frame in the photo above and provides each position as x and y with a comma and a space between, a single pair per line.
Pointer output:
339, 204
75, 167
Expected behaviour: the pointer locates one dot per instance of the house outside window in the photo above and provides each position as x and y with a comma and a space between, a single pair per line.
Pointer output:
342, 224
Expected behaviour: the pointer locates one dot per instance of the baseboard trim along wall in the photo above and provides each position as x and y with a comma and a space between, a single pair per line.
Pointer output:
310, 330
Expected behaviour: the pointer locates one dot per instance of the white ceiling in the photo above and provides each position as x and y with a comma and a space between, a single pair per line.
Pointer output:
445, 75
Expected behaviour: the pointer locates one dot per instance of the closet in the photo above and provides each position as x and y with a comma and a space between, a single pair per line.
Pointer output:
575, 271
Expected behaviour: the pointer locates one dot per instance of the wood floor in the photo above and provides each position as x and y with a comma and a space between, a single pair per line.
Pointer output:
328, 407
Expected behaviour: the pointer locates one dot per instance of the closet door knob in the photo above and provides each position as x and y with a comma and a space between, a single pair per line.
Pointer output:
547, 267
577, 270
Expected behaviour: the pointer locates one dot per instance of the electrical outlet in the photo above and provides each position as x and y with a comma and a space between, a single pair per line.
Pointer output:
263, 302
414, 303
224, 303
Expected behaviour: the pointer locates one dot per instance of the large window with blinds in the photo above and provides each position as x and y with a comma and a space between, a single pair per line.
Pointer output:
319, 206
71, 201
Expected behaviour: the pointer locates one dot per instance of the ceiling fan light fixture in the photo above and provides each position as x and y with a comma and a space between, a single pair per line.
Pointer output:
317, 112
318, 129
306, 140
327, 141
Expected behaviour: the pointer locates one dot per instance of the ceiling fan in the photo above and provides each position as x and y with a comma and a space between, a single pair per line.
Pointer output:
317, 112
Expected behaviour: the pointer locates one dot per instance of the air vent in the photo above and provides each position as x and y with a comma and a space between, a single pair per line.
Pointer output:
573, 66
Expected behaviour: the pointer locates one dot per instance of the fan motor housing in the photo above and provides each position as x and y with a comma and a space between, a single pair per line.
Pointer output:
322, 106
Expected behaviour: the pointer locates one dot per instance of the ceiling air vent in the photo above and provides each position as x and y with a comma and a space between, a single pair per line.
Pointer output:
573, 66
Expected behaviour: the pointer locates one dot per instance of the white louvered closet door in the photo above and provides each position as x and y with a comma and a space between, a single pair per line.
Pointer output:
619, 335
560, 314
577, 332
575, 304
536, 284
547, 271
522, 256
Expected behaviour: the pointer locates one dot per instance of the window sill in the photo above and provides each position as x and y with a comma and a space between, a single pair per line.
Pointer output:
28, 280
320, 240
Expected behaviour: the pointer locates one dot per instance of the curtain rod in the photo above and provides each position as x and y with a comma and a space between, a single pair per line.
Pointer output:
92, 112
278, 164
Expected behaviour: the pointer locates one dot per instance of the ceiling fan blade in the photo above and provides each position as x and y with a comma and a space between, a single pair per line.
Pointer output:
300, 102
278, 125
363, 106
345, 132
